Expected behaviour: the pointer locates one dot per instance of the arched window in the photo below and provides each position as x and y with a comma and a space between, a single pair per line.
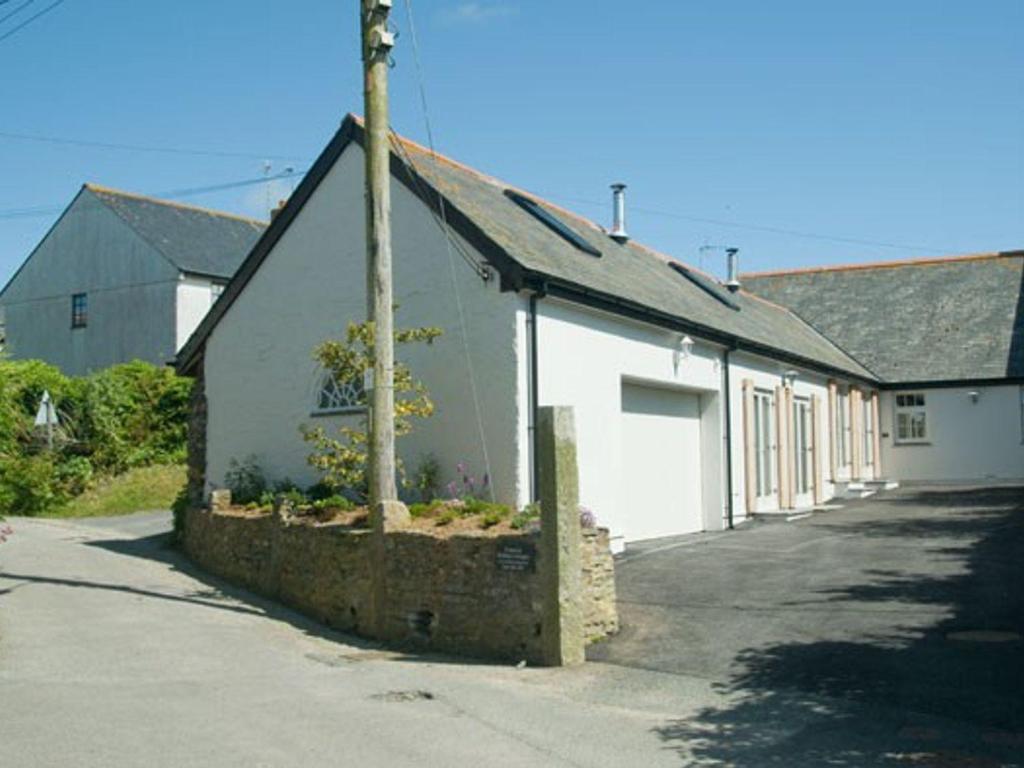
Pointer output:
333, 396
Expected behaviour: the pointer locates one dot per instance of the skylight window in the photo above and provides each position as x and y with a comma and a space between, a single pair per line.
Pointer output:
710, 287
551, 221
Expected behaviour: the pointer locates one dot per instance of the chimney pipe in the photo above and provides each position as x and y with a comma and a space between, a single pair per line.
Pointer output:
618, 232
733, 283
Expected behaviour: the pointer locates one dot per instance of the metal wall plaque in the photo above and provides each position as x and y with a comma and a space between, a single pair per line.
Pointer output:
516, 556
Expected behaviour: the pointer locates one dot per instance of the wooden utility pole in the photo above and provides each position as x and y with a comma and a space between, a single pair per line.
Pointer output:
377, 43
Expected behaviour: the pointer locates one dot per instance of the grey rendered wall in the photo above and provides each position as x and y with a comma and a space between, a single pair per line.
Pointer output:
131, 294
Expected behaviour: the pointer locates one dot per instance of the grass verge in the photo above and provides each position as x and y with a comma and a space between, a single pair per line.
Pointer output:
136, 490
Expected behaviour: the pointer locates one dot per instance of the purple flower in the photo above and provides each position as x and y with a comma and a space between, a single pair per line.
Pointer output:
587, 518
453, 490
460, 468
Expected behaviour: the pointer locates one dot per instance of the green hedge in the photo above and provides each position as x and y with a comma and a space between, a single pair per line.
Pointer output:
127, 416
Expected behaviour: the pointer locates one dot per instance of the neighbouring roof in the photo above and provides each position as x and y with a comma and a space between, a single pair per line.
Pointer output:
530, 253
928, 320
195, 240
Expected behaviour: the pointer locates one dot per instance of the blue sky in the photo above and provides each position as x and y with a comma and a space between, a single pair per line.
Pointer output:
734, 123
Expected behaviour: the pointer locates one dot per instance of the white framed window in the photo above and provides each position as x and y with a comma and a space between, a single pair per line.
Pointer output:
335, 396
764, 442
802, 444
869, 433
843, 428
911, 418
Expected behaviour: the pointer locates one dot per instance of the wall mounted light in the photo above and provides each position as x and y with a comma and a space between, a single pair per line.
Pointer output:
682, 351
790, 376
974, 395
685, 347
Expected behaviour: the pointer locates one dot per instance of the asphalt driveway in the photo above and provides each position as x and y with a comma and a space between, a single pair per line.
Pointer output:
887, 631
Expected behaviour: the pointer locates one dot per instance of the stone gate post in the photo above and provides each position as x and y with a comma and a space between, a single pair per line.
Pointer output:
561, 567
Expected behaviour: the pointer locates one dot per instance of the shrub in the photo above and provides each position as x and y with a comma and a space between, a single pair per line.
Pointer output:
245, 480
333, 502
179, 509
28, 485
493, 517
320, 490
427, 478
464, 486
74, 476
126, 416
132, 415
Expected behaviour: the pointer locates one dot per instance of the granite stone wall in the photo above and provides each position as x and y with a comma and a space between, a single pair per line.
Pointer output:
472, 594
600, 614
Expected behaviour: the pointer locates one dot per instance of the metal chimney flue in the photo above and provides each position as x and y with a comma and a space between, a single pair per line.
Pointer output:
732, 256
618, 232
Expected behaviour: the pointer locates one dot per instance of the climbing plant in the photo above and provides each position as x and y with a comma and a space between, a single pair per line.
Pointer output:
342, 458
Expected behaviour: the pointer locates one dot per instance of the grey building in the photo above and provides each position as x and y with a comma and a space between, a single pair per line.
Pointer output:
120, 277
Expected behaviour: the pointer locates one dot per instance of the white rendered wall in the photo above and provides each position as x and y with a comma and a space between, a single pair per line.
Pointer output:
195, 297
966, 440
583, 358
768, 374
261, 378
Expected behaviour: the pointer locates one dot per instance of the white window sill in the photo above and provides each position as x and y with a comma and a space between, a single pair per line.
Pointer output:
910, 443
339, 411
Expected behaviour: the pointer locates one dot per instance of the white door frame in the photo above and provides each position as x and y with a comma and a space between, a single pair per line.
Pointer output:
766, 446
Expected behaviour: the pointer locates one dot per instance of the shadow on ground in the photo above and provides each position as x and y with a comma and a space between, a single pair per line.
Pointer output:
924, 698
218, 594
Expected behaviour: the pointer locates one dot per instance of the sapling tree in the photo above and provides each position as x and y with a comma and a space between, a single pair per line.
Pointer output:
343, 457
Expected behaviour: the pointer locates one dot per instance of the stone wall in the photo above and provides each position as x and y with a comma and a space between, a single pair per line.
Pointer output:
452, 594
600, 614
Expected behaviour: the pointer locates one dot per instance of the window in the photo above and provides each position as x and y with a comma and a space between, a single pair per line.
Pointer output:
869, 433
551, 221
764, 442
79, 310
843, 428
340, 397
802, 444
911, 418
707, 285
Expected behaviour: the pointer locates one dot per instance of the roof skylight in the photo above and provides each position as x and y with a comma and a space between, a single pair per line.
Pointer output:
710, 287
551, 221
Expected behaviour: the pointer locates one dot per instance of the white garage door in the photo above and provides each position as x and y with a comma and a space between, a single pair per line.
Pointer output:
661, 462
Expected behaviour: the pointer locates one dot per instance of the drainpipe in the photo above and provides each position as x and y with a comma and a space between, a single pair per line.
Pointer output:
540, 293
728, 442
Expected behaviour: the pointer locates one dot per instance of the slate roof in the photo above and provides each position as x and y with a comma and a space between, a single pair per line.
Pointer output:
949, 319
627, 277
195, 240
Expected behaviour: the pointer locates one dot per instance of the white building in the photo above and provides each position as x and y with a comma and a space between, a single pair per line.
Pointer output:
120, 277
696, 406
946, 339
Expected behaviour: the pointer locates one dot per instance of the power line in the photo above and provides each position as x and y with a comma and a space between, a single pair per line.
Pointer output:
21, 7
449, 243
140, 147
29, 20
765, 228
41, 210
